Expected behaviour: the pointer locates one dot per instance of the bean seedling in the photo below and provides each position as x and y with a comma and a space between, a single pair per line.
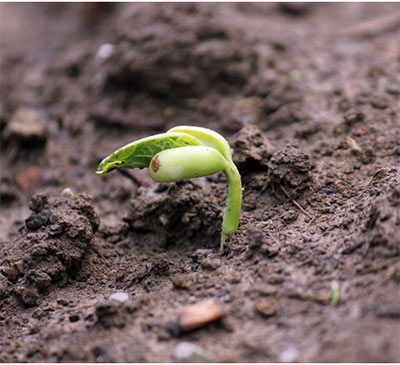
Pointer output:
184, 152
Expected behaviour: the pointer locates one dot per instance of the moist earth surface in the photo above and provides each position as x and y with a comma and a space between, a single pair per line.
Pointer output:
308, 97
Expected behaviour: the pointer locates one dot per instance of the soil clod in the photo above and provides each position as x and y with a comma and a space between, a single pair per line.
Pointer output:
267, 307
28, 126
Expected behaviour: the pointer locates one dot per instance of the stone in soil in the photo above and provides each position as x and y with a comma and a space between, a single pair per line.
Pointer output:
267, 307
27, 125
119, 297
188, 352
200, 314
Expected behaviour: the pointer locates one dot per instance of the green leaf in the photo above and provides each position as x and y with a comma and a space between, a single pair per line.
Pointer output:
138, 154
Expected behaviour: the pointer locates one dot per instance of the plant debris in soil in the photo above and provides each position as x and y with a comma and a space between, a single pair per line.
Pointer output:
119, 268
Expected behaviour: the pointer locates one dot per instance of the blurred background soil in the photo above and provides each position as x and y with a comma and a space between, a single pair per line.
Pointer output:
308, 97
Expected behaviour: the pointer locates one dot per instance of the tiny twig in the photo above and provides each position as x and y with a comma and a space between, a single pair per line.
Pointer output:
373, 27
274, 192
379, 176
302, 209
297, 204
286, 193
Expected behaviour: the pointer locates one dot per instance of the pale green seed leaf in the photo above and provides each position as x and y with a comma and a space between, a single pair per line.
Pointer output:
177, 164
208, 137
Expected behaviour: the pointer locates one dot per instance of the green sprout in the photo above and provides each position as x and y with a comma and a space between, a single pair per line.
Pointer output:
335, 293
184, 152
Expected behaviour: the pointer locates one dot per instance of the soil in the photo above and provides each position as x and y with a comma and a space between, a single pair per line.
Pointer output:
308, 97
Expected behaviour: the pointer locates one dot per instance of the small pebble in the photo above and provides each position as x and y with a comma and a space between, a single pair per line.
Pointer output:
105, 51
288, 355
267, 307
164, 220
200, 253
55, 230
182, 281
67, 193
188, 352
211, 264
199, 314
120, 297
28, 125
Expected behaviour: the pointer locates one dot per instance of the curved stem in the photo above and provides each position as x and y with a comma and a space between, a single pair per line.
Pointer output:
232, 211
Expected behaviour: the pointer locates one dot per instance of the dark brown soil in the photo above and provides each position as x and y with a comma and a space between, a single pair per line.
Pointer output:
308, 96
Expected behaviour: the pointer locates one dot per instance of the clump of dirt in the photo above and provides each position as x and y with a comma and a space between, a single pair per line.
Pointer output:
251, 149
52, 248
175, 212
189, 52
292, 169
381, 234
111, 314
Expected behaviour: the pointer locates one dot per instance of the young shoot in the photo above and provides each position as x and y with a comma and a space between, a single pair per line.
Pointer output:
184, 152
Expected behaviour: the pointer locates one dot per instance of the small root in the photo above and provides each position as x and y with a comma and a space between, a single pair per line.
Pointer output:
126, 173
